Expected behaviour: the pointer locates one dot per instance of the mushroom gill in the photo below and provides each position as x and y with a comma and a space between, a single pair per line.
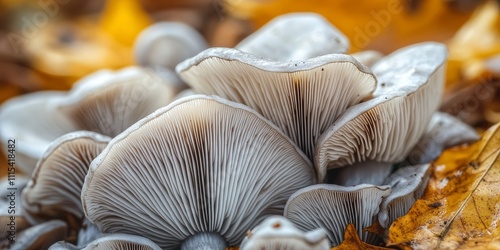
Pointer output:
303, 98
387, 127
202, 169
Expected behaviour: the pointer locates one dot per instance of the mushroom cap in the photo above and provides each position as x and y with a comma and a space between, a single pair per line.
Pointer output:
41, 236
106, 102
201, 164
122, 242
333, 207
443, 131
22, 118
387, 127
276, 232
56, 183
112, 242
166, 44
303, 98
408, 185
295, 36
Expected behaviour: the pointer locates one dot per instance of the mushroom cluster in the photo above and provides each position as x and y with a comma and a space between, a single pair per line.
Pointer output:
279, 143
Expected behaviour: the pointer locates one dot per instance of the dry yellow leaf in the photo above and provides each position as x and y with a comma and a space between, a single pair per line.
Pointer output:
124, 20
352, 241
477, 40
461, 206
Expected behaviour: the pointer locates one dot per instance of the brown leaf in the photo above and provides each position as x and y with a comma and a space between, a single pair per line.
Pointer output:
461, 206
352, 241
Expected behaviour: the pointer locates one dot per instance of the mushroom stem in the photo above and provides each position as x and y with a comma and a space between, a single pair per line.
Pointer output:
204, 241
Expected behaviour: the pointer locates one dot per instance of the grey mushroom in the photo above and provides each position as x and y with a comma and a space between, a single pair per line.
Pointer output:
41, 236
105, 102
303, 98
443, 131
407, 185
111, 242
201, 171
387, 127
163, 45
333, 207
55, 187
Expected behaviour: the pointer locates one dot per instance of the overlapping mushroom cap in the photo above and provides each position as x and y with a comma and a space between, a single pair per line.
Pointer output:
387, 127
56, 184
333, 207
407, 185
163, 45
295, 36
106, 102
202, 169
303, 98
443, 131
111, 242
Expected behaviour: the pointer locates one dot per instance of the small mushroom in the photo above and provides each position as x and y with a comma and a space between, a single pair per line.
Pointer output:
303, 98
163, 45
105, 102
202, 170
368, 172
276, 232
111, 242
387, 127
41, 236
407, 185
333, 207
56, 183
295, 36
443, 131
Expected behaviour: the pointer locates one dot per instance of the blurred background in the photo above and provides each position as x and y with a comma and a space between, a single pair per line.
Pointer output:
49, 44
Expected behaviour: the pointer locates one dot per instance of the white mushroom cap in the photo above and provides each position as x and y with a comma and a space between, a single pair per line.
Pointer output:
276, 232
109, 107
202, 165
23, 119
333, 207
166, 44
55, 187
408, 185
386, 128
112, 242
295, 36
443, 131
41, 236
105, 102
368, 172
303, 98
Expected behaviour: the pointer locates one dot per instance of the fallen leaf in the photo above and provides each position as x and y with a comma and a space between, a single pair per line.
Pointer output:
352, 241
468, 56
461, 205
